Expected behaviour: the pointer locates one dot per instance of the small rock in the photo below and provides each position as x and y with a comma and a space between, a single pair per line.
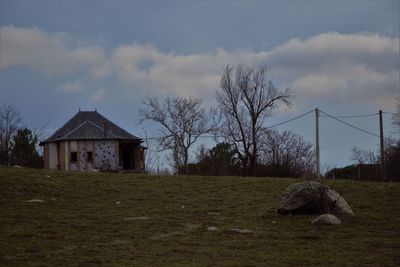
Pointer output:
36, 201
327, 219
117, 202
136, 218
212, 229
188, 227
242, 231
121, 241
161, 236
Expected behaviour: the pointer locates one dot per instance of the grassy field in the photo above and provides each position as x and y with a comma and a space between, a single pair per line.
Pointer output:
107, 219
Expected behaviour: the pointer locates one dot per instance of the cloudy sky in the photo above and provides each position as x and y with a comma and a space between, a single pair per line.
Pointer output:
340, 56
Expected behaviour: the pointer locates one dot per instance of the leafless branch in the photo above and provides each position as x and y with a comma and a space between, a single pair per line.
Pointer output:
246, 98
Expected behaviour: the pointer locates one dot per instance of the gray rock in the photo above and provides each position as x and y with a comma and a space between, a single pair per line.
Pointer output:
36, 201
212, 228
189, 227
242, 231
313, 198
136, 218
327, 219
162, 236
18, 167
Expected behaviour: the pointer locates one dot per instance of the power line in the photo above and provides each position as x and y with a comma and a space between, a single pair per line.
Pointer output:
305, 114
361, 115
292, 119
390, 113
350, 125
268, 127
355, 116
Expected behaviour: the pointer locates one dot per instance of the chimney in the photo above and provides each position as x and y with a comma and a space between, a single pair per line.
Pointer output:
105, 128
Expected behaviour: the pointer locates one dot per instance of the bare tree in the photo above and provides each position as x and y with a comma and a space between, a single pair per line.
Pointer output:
287, 151
246, 98
41, 134
154, 159
10, 122
396, 115
363, 157
182, 121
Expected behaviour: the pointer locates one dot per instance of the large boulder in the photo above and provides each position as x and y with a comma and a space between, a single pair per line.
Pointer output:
326, 219
313, 198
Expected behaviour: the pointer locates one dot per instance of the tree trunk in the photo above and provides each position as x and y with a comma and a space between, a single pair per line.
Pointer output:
185, 163
252, 165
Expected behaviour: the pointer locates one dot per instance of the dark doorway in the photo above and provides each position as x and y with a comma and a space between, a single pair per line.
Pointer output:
126, 160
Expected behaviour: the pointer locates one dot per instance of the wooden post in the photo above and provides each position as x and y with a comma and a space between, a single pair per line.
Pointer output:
78, 153
58, 156
46, 153
94, 166
85, 155
68, 166
117, 158
317, 159
382, 145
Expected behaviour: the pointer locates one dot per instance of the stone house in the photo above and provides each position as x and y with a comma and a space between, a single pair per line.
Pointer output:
89, 141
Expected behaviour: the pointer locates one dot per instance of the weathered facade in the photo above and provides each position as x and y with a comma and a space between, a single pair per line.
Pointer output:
89, 142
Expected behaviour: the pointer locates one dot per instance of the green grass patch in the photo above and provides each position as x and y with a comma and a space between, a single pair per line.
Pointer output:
92, 220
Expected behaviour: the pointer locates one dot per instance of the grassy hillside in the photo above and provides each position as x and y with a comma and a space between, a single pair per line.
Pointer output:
137, 220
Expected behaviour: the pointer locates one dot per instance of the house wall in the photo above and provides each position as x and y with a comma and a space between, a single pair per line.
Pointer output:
66, 155
73, 166
81, 148
138, 158
58, 156
117, 156
89, 166
53, 156
61, 154
46, 156
82, 155
107, 155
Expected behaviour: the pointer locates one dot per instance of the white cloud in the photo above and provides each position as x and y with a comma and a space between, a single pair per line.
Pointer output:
53, 54
98, 96
71, 87
328, 67
335, 67
349, 68
195, 74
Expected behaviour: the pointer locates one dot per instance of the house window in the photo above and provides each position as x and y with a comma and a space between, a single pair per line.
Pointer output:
74, 156
89, 156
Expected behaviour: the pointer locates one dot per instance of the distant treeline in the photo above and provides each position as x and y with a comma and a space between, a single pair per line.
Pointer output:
18, 144
368, 165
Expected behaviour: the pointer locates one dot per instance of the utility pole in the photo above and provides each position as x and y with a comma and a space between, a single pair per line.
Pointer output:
317, 143
382, 145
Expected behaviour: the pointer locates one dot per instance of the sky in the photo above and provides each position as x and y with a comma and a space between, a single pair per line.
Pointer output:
340, 56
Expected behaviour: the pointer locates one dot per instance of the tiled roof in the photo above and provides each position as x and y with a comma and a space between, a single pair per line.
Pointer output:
90, 125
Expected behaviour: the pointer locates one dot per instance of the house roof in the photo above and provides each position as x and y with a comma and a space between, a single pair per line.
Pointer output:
89, 125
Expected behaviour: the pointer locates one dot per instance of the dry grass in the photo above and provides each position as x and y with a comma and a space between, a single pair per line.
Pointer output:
92, 220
